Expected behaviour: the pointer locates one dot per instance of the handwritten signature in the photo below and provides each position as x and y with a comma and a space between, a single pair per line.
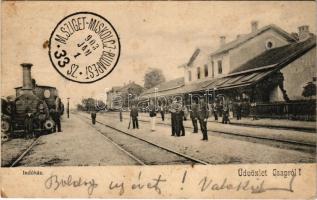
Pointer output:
56, 182
207, 184
151, 184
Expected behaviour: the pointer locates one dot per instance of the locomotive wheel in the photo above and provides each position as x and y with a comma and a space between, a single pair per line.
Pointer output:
49, 124
4, 137
5, 126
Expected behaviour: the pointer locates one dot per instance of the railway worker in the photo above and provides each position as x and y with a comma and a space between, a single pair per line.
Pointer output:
152, 112
202, 117
178, 118
134, 113
173, 118
194, 115
239, 110
181, 119
120, 115
162, 111
28, 123
93, 117
58, 111
215, 110
42, 115
225, 115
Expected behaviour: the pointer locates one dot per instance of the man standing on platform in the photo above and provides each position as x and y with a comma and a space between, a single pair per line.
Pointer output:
202, 117
57, 120
93, 117
162, 111
215, 110
134, 113
173, 111
239, 110
194, 115
152, 111
181, 120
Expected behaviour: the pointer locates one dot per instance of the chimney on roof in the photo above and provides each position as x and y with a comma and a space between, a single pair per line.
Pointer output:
254, 26
303, 32
222, 40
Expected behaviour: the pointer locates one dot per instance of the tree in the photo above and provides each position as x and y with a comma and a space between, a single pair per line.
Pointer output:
130, 93
309, 90
90, 104
153, 77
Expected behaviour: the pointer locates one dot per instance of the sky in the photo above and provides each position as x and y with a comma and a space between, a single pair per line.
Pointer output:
152, 35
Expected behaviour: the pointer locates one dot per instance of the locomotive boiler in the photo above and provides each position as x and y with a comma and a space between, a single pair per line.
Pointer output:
29, 111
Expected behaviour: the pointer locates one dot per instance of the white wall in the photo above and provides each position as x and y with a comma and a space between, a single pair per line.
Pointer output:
254, 47
298, 73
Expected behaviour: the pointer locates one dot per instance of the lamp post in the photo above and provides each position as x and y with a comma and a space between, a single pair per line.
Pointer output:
68, 107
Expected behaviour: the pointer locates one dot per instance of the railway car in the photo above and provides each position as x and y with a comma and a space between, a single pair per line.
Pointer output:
30, 110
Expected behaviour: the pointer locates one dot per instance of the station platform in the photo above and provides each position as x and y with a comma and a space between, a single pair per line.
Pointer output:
309, 126
272, 132
219, 149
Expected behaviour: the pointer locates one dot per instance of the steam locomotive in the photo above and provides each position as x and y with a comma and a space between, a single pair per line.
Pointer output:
30, 109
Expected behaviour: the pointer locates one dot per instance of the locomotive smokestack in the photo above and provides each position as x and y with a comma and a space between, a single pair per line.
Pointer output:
27, 79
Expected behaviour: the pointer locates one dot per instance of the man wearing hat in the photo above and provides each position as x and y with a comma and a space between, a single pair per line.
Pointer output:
194, 115
203, 115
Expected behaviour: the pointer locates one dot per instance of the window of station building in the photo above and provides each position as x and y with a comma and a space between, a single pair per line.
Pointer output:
269, 44
219, 66
198, 72
206, 70
189, 76
212, 69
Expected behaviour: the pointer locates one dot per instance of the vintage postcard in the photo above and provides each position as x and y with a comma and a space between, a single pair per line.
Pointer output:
158, 99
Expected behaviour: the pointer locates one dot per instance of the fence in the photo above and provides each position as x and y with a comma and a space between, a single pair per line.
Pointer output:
301, 110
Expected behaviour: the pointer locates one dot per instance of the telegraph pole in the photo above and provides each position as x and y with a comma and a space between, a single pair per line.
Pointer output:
68, 107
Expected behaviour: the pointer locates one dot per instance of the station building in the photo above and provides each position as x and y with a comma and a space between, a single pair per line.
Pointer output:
267, 66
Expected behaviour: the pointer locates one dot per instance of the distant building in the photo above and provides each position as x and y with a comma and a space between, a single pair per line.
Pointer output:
111, 95
265, 66
122, 96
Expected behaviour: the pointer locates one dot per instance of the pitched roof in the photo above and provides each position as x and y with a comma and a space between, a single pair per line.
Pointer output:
277, 55
168, 85
129, 85
246, 37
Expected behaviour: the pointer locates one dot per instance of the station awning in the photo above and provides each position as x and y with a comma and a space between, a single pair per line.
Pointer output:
228, 82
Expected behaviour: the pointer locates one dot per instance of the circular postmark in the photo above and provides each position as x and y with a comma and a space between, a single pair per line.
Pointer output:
84, 47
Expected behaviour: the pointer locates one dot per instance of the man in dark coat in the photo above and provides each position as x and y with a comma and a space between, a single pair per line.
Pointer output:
28, 123
134, 113
239, 110
93, 117
203, 115
180, 123
173, 111
58, 105
225, 115
194, 115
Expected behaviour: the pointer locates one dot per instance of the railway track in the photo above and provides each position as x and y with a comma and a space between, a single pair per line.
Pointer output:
132, 144
296, 145
308, 130
24, 153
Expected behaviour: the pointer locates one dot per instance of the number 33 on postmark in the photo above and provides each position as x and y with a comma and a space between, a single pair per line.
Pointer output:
84, 47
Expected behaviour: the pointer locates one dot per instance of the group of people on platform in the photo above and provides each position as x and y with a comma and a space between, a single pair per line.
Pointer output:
199, 113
